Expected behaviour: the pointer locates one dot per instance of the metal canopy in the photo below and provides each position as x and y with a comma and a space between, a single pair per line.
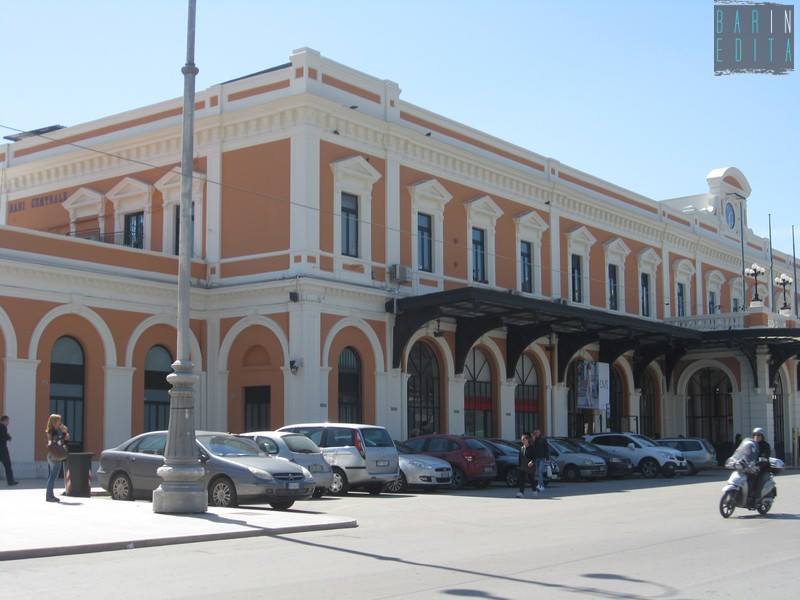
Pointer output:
478, 311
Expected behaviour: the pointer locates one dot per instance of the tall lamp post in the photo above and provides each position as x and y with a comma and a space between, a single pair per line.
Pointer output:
181, 490
754, 271
784, 281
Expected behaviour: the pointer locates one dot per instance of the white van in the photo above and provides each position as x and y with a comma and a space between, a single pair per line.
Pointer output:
361, 456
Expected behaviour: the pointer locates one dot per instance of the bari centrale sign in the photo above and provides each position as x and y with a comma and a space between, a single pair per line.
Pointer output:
753, 38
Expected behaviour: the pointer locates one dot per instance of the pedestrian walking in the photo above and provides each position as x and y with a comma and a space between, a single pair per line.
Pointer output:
541, 454
5, 457
57, 436
524, 472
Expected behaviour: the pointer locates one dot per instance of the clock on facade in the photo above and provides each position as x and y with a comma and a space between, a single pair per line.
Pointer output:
730, 215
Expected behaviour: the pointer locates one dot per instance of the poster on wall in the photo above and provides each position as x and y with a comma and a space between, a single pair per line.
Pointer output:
604, 386
592, 381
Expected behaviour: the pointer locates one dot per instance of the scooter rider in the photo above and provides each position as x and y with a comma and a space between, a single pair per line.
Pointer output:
764, 453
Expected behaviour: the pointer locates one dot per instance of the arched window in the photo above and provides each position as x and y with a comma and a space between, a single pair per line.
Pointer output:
777, 417
157, 365
648, 407
709, 407
478, 397
67, 387
423, 391
349, 386
526, 396
614, 416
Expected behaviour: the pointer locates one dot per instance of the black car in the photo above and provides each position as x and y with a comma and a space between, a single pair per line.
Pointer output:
506, 455
617, 467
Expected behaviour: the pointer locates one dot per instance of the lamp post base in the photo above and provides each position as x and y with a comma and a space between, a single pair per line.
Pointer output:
182, 491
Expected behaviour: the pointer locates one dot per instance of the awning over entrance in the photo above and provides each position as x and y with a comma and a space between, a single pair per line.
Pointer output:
478, 311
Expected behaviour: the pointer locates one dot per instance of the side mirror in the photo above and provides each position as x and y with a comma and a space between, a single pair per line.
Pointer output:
203, 457
631, 446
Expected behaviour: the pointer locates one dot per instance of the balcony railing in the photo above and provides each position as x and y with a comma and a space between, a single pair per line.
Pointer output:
118, 238
717, 321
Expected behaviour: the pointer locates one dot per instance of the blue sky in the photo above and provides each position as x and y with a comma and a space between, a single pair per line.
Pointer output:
622, 89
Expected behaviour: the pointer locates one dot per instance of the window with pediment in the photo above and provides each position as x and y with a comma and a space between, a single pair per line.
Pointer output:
133, 204
482, 215
428, 201
530, 228
579, 246
170, 187
648, 261
616, 253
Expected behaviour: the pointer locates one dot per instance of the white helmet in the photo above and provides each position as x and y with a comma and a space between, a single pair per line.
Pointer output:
759, 431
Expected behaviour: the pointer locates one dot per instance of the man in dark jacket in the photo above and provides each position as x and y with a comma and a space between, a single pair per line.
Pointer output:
541, 453
524, 472
4, 456
764, 453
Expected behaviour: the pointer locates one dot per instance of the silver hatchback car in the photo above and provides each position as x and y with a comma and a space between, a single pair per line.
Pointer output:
298, 449
699, 453
361, 456
236, 471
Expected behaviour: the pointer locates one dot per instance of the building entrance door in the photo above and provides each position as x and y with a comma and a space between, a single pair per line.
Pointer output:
256, 408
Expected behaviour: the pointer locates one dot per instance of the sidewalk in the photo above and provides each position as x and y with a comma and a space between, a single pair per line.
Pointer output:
33, 528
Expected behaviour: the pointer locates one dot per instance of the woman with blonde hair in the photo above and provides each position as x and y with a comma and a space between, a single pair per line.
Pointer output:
57, 436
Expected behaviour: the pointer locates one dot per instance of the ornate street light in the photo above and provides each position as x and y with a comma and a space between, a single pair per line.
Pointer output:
784, 281
754, 271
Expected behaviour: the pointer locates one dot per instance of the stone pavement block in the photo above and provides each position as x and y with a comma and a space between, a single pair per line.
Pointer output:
34, 528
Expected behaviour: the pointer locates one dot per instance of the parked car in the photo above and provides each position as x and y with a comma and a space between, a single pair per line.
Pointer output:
699, 453
574, 463
361, 456
617, 467
419, 470
552, 472
472, 461
236, 471
648, 458
298, 449
507, 459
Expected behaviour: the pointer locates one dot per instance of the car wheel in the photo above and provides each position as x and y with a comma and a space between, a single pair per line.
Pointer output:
339, 485
222, 493
692, 468
398, 485
318, 493
512, 478
121, 487
571, 473
668, 471
281, 504
459, 480
649, 467
727, 504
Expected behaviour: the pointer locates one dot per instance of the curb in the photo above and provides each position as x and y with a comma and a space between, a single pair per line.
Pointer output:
167, 541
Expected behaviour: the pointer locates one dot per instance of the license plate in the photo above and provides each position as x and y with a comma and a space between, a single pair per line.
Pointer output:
488, 469
382, 463
315, 468
293, 486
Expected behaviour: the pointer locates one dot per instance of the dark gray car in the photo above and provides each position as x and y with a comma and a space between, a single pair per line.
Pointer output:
236, 471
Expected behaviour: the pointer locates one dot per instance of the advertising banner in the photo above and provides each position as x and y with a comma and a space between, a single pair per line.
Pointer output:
592, 381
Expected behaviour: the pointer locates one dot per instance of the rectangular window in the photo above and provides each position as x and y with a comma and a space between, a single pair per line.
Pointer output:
577, 278
681, 300
349, 224
613, 295
133, 235
425, 242
479, 255
712, 302
645, 294
526, 266
735, 304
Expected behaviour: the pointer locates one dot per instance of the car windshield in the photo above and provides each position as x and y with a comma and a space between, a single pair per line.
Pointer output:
376, 437
228, 445
565, 446
505, 448
643, 440
403, 449
474, 444
300, 444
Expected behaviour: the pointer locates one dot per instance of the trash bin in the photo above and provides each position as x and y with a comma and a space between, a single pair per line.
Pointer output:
78, 474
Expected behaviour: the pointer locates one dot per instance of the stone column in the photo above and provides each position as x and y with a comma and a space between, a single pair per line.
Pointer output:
394, 390
455, 404
20, 403
214, 407
309, 394
221, 401
507, 409
559, 410
555, 254
213, 210
117, 405
304, 217
393, 210
634, 404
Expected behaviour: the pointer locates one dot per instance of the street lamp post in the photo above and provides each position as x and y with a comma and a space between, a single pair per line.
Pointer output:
754, 271
181, 490
784, 281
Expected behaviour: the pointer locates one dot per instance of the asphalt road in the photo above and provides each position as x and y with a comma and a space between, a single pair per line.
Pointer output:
617, 539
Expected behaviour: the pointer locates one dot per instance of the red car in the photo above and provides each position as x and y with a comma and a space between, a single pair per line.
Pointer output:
472, 462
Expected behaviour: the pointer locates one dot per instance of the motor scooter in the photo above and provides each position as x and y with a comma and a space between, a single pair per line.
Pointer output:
735, 493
